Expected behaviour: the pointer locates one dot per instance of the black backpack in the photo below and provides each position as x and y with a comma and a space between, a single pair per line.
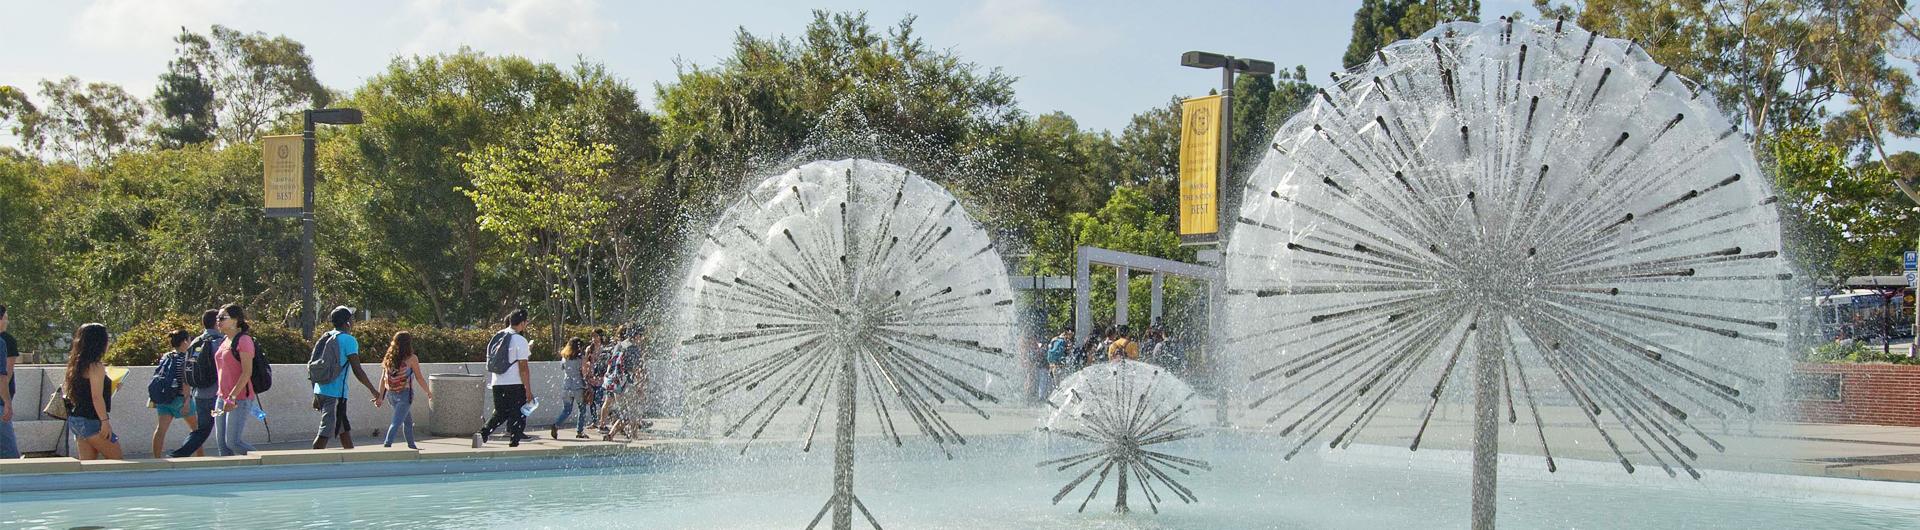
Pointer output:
200, 370
262, 368
498, 356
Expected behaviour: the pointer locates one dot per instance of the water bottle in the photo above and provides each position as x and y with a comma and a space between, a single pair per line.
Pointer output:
527, 409
259, 411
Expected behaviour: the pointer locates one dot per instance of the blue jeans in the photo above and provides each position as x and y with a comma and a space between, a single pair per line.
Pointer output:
566, 410
402, 401
231, 429
203, 413
9, 446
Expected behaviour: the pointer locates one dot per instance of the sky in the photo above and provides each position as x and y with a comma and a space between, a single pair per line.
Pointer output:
1098, 61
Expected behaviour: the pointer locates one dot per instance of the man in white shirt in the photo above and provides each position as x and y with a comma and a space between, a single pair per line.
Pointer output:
510, 389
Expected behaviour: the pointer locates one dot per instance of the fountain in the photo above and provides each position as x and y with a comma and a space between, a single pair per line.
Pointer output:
841, 283
1128, 410
1527, 206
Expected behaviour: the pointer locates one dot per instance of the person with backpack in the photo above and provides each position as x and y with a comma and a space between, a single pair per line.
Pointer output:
202, 377
507, 355
238, 365
1057, 351
402, 371
333, 353
167, 391
1123, 346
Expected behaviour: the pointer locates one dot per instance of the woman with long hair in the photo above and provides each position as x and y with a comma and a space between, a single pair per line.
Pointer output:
571, 359
174, 360
234, 364
90, 395
402, 370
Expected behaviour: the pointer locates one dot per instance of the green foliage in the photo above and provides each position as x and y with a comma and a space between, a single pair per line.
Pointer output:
1126, 223
1381, 22
143, 343
1842, 220
1855, 352
80, 123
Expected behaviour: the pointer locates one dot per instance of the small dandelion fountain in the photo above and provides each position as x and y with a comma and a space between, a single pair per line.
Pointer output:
1130, 412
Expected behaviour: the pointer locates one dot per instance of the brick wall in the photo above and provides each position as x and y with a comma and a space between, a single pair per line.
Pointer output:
1876, 394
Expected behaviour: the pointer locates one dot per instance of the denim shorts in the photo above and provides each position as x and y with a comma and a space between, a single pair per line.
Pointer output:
83, 427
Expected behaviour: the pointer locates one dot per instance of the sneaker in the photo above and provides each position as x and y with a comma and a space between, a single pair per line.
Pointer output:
413, 447
514, 443
553, 432
580, 436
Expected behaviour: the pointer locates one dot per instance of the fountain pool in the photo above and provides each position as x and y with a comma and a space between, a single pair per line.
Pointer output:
992, 484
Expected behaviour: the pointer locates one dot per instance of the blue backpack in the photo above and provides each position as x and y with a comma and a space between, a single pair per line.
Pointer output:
165, 386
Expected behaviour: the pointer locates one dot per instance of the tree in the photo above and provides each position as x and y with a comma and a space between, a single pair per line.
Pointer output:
80, 123
1126, 223
1381, 22
185, 98
1841, 220
542, 198
257, 80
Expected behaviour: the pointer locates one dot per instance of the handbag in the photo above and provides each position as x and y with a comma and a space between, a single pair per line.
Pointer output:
56, 407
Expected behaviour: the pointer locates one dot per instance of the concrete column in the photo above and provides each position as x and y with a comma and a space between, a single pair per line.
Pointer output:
1120, 295
1153, 311
1082, 295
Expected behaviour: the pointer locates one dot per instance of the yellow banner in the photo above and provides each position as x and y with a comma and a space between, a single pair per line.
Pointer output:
1200, 167
283, 157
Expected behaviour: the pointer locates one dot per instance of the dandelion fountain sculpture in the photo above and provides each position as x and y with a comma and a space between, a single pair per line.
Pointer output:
844, 282
1130, 411
1535, 208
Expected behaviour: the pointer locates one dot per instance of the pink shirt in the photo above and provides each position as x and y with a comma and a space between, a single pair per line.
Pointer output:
228, 366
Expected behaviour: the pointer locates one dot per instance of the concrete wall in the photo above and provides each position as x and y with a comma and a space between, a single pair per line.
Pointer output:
289, 407
1877, 394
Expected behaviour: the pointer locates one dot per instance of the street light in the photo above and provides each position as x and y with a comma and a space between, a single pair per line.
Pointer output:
341, 116
1228, 66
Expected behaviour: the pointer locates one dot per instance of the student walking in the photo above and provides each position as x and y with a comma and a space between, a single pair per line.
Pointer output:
1057, 351
402, 369
327, 368
203, 376
234, 363
90, 395
572, 363
507, 355
167, 392
9, 446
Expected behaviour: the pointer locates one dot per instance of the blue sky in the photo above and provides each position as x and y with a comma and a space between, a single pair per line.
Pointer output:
1099, 61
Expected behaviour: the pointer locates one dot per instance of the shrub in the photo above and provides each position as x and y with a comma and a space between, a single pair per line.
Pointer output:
142, 344
1855, 352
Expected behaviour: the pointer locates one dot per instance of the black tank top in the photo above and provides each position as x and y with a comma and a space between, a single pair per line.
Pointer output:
80, 398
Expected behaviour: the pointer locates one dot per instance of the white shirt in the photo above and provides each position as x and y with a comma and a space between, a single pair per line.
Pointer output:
517, 351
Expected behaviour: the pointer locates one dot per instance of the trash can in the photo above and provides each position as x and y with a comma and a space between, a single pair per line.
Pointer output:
459, 404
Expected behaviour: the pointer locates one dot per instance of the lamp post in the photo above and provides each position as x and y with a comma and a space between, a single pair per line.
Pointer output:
1223, 182
342, 116
1913, 348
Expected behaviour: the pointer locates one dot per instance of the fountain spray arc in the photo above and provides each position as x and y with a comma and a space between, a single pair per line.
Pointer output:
1530, 208
840, 284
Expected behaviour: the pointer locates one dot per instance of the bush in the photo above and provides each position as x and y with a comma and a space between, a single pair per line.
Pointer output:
1855, 352
142, 344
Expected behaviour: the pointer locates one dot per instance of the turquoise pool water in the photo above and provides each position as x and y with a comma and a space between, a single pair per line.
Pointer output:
992, 485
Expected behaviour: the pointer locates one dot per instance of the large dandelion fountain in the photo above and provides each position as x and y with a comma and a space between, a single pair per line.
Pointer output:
840, 285
1130, 413
1530, 207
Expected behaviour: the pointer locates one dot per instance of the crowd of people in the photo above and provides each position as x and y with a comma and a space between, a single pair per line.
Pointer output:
1053, 359
211, 382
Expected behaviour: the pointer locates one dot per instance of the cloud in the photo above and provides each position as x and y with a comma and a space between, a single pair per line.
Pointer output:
547, 29
1027, 23
145, 24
